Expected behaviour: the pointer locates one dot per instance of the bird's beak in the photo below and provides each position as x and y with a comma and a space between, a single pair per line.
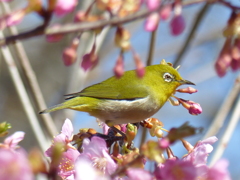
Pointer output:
183, 81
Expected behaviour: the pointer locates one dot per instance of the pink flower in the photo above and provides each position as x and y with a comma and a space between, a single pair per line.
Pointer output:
138, 174
85, 170
12, 141
177, 170
218, 171
97, 153
177, 25
14, 165
65, 137
153, 4
64, 7
198, 156
5, 0
152, 22
66, 166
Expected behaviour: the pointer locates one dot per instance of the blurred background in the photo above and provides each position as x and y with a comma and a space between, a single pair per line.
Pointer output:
197, 65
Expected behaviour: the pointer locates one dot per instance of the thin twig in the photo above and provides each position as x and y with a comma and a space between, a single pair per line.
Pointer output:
149, 62
223, 142
195, 26
31, 77
224, 110
22, 93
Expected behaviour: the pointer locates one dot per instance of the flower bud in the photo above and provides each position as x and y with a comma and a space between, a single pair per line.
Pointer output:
189, 90
153, 4
164, 143
64, 7
69, 56
140, 69
165, 12
177, 25
131, 132
195, 108
224, 59
119, 67
4, 126
235, 53
152, 22
89, 61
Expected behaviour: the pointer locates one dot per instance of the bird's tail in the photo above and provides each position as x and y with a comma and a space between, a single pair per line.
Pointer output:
65, 105
54, 108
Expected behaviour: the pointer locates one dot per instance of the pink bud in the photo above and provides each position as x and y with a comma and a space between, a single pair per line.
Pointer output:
224, 59
140, 68
69, 56
152, 22
153, 4
165, 12
79, 16
189, 90
164, 143
55, 37
177, 25
222, 63
235, 53
64, 7
119, 67
89, 61
15, 17
195, 109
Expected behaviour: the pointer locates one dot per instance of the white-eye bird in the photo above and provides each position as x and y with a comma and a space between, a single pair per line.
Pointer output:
129, 99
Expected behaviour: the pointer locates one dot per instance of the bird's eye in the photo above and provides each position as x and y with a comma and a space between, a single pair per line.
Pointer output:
167, 77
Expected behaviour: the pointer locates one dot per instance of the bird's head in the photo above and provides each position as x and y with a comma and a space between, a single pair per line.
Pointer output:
170, 78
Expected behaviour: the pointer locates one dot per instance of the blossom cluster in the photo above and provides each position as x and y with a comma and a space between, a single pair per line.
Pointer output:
89, 155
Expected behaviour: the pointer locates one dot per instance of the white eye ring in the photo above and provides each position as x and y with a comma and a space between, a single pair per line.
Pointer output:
167, 77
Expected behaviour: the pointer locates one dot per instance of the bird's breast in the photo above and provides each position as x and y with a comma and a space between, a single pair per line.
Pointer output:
126, 111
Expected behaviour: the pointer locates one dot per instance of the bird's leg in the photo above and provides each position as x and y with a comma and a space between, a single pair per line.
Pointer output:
114, 130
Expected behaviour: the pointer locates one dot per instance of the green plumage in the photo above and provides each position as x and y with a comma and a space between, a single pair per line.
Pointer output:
117, 100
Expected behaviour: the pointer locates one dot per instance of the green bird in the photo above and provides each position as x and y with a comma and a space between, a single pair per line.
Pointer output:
129, 99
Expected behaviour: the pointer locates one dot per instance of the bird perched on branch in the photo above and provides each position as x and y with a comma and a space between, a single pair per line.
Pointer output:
129, 99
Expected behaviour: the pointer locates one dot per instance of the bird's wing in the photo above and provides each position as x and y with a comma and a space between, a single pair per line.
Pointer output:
120, 92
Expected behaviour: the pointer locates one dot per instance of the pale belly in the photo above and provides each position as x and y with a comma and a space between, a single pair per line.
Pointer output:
123, 111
